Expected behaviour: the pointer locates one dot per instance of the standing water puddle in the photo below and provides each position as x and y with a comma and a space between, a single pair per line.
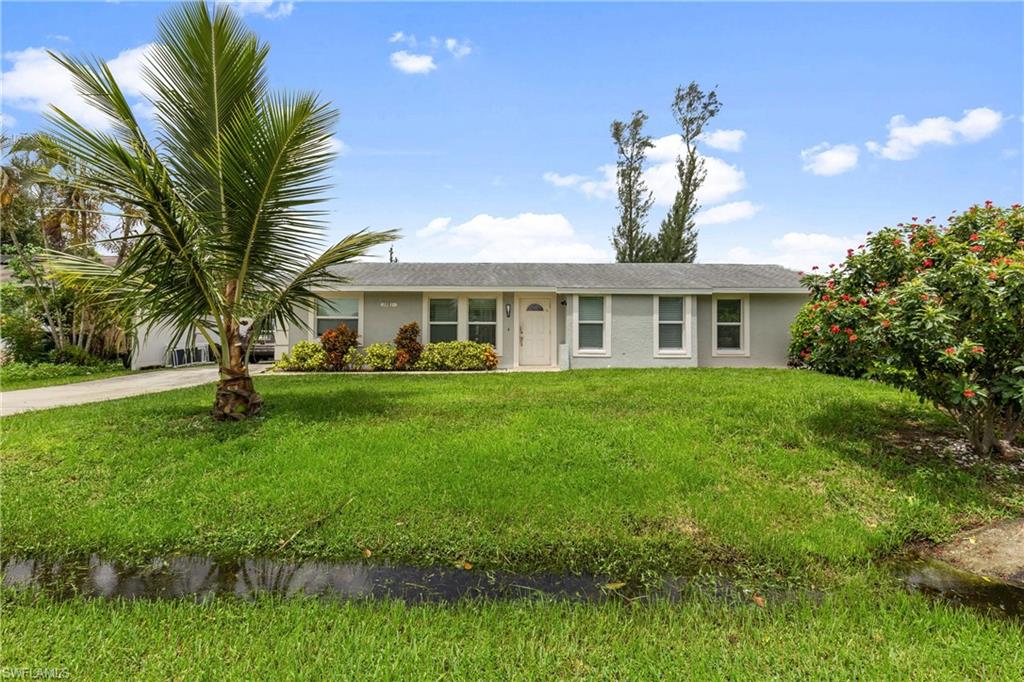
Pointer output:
202, 578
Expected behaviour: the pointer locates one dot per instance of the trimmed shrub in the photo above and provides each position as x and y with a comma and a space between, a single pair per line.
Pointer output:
457, 356
407, 345
355, 358
337, 343
306, 356
380, 356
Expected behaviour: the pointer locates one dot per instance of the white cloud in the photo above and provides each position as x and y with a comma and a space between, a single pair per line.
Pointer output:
798, 250
723, 179
727, 213
557, 180
397, 37
603, 187
6, 121
726, 140
826, 159
458, 49
335, 145
268, 9
412, 63
906, 139
526, 237
435, 226
35, 81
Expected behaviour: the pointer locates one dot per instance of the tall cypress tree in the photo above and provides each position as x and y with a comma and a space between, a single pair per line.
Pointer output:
677, 239
631, 241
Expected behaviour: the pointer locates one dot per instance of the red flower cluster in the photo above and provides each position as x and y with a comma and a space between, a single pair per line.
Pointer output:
968, 393
977, 247
950, 350
886, 323
927, 262
978, 349
863, 302
834, 329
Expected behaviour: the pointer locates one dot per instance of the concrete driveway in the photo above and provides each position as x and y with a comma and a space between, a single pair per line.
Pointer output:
13, 402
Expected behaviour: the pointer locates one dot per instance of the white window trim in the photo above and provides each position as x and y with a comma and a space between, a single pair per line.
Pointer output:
686, 351
462, 323
606, 350
744, 350
313, 317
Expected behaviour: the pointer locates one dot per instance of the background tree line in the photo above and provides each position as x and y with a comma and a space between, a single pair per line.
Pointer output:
45, 208
676, 240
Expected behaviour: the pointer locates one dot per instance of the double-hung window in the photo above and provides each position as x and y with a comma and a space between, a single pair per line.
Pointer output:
444, 319
334, 311
671, 325
730, 325
483, 320
591, 325
463, 317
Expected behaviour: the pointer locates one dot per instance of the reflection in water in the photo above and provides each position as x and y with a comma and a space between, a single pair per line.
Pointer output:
201, 578
940, 580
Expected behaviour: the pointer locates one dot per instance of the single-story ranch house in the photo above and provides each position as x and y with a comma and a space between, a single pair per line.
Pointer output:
573, 315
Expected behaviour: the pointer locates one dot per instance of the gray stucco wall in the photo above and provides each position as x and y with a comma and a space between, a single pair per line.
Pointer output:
510, 336
632, 337
380, 324
770, 317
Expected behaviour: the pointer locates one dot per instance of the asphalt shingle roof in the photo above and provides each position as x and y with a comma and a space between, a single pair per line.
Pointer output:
607, 276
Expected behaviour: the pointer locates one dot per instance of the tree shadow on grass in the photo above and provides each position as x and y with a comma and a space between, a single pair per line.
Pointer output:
298, 406
912, 447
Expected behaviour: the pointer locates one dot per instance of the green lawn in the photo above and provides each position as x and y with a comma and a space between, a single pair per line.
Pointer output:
863, 631
768, 473
770, 476
20, 383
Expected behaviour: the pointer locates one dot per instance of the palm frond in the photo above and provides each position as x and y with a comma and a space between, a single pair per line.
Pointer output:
206, 70
276, 163
296, 291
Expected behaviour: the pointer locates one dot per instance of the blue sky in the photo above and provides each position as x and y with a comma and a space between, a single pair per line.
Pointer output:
481, 130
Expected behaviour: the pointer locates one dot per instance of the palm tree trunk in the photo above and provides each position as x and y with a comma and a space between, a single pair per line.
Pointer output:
236, 399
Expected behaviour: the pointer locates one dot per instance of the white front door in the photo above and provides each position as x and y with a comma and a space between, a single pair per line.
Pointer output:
535, 331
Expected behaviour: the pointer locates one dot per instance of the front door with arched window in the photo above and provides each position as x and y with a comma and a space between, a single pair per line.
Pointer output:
535, 327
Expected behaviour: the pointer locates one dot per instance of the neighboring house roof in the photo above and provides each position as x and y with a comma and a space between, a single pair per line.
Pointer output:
697, 277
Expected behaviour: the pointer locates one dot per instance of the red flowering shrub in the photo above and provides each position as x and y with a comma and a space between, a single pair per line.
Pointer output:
408, 346
932, 309
337, 342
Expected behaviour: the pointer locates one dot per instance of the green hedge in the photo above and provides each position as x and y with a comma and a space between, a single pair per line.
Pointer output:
23, 371
306, 356
457, 356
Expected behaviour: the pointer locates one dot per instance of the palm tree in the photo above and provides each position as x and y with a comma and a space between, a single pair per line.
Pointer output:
227, 194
